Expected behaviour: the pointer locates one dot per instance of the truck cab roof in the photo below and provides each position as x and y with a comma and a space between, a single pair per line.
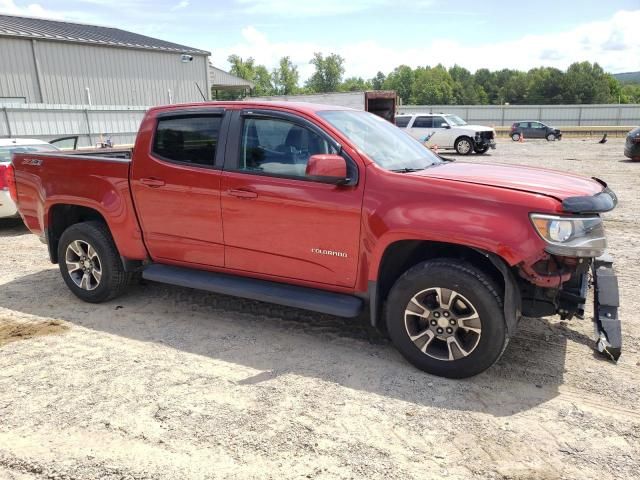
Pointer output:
298, 106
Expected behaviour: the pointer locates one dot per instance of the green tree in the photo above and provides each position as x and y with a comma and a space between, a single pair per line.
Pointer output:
466, 90
242, 68
586, 83
630, 93
258, 74
515, 89
262, 82
487, 80
377, 82
328, 73
400, 80
545, 85
432, 86
286, 77
355, 84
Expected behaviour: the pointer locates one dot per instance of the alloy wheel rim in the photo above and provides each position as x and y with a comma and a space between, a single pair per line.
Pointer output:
443, 324
464, 146
83, 265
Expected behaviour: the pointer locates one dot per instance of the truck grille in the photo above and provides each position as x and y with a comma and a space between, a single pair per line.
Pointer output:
486, 135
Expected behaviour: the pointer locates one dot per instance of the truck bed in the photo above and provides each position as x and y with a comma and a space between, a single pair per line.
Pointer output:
48, 183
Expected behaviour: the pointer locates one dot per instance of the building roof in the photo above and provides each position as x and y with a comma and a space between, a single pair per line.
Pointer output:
220, 79
39, 28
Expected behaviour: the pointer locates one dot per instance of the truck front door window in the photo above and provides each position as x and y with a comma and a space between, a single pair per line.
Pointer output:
279, 147
191, 139
423, 122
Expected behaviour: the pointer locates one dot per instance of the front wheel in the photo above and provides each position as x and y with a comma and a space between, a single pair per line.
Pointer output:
90, 264
551, 137
446, 318
464, 145
515, 137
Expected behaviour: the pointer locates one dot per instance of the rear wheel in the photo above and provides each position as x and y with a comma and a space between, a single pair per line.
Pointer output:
515, 137
481, 149
464, 145
90, 264
446, 318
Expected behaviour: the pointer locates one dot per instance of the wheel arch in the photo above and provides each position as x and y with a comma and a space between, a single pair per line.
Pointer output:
401, 255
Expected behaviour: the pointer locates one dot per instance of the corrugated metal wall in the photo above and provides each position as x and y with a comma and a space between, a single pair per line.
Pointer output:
114, 76
17, 70
557, 115
47, 122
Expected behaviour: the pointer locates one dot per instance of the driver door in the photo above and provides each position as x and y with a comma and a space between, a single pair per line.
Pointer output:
422, 129
277, 221
441, 134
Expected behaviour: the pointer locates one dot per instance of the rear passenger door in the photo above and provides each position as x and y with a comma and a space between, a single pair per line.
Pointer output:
176, 186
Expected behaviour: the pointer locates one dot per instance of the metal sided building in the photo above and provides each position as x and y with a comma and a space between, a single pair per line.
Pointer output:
56, 62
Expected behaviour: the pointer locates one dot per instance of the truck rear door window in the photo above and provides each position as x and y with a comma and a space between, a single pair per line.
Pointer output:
189, 139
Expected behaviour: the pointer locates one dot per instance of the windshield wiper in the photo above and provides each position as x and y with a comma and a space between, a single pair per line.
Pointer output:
406, 170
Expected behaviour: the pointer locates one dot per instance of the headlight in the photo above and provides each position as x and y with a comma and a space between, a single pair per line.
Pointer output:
571, 236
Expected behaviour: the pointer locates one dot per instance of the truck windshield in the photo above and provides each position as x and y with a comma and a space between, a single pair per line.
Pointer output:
383, 142
6, 151
455, 120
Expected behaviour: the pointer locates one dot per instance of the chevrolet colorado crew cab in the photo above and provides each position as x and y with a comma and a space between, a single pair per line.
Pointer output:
331, 210
448, 132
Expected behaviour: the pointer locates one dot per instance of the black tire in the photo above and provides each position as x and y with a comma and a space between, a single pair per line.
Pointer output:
551, 137
480, 150
475, 287
113, 279
464, 145
515, 137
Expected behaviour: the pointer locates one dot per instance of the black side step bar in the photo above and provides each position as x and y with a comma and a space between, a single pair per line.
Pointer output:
298, 297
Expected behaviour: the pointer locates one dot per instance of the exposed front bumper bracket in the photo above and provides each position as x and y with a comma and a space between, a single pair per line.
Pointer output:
605, 308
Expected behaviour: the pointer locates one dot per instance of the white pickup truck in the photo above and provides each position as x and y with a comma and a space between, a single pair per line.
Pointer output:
447, 132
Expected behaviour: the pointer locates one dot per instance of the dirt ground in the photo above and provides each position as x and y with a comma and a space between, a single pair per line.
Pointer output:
171, 383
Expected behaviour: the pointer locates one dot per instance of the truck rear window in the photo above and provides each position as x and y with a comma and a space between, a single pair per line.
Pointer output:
191, 139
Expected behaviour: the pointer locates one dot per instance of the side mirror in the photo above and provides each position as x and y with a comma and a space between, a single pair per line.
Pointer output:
445, 125
327, 168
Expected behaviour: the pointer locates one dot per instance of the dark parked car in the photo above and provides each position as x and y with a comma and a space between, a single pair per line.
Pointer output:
531, 129
632, 145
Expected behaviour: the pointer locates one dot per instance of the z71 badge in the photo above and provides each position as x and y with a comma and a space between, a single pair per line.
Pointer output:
32, 161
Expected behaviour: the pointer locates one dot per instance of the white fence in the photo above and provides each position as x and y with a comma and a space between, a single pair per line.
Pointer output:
557, 115
91, 124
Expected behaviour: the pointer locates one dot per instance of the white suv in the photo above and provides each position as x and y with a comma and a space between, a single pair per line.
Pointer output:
448, 132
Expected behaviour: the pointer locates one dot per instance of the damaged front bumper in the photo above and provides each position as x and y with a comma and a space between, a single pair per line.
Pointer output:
605, 308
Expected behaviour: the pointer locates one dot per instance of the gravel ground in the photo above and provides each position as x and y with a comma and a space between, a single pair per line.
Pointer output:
171, 383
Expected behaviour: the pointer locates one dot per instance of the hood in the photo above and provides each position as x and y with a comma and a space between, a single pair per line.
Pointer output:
475, 128
551, 183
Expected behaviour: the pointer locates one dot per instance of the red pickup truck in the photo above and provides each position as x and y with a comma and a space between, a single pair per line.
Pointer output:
331, 210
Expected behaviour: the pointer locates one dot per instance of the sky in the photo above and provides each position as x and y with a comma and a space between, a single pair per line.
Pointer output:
376, 35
